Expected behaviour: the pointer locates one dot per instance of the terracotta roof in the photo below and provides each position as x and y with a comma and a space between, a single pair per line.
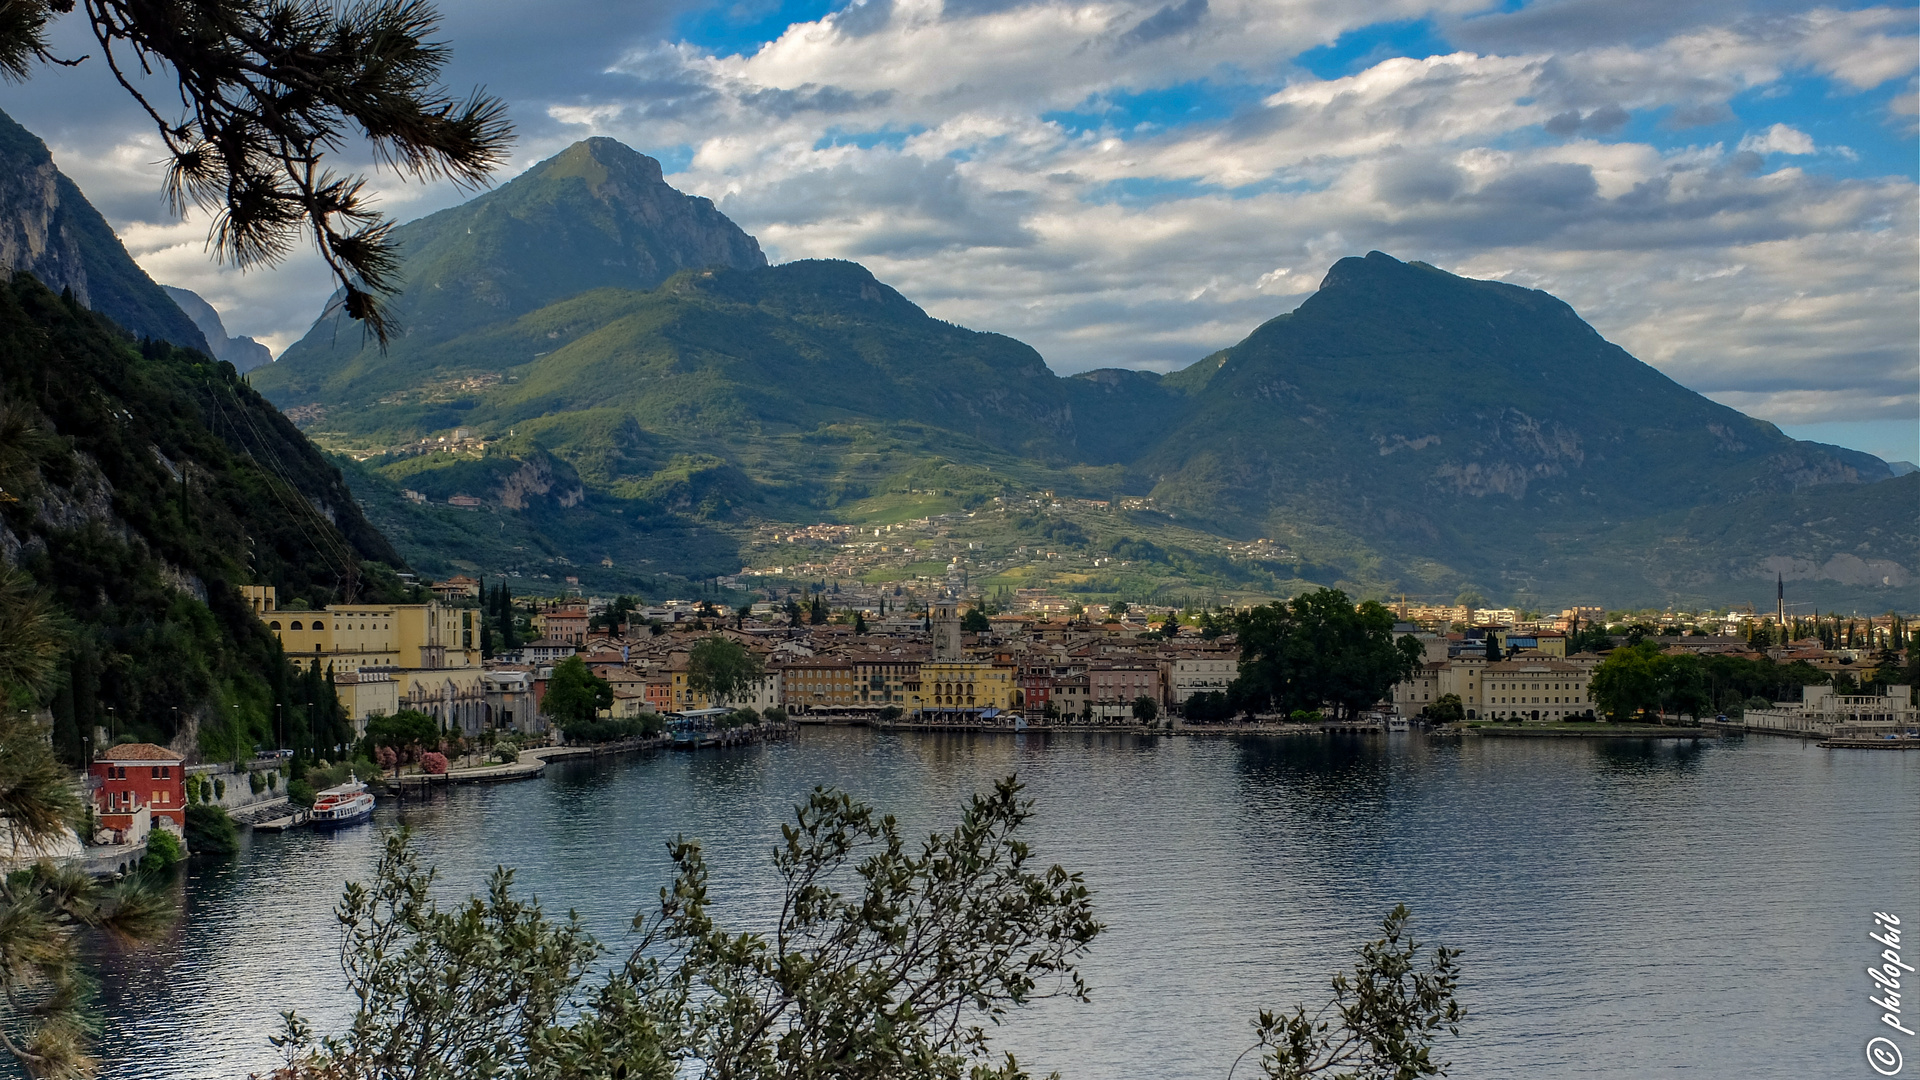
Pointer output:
138, 751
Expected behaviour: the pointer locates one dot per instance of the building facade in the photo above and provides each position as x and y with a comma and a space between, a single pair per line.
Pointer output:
136, 784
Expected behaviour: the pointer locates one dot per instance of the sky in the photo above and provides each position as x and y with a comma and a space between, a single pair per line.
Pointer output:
1726, 188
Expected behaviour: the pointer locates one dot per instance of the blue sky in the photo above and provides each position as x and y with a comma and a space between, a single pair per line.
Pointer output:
1727, 188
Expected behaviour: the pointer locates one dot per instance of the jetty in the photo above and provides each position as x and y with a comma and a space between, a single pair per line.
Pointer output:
1595, 730
1889, 742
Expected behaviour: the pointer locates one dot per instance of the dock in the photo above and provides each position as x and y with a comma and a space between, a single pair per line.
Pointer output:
1869, 744
1593, 731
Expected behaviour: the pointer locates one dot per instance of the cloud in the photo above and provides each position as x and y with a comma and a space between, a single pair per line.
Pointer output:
1778, 139
1139, 182
1166, 22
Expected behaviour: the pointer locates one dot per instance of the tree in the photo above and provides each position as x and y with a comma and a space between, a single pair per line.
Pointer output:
817, 612
975, 621
1627, 683
44, 908
1320, 648
1448, 709
30, 637
269, 88
1118, 608
722, 669
887, 960
575, 695
1389, 1012
1170, 629
1589, 639
407, 733
1145, 709
859, 622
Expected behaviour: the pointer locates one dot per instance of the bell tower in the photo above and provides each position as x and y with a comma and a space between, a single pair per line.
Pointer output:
946, 631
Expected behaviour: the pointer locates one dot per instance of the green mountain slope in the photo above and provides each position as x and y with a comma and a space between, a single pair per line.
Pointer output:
49, 230
596, 215
1477, 426
1405, 430
152, 485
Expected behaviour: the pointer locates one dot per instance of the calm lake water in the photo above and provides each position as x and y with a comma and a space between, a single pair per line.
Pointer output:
1626, 909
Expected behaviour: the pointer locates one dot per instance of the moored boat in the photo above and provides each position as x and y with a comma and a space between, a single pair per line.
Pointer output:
343, 805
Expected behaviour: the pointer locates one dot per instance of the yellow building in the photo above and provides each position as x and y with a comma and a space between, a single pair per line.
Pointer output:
430, 650
967, 686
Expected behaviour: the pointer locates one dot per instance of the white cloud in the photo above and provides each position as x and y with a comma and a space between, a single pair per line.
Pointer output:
918, 137
1778, 139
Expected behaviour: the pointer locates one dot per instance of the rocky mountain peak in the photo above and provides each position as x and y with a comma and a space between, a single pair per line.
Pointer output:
49, 230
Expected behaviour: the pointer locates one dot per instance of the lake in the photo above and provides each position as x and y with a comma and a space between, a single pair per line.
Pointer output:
1627, 909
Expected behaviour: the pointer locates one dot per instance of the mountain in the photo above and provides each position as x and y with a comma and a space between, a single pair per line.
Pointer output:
49, 230
1403, 430
1479, 425
243, 353
595, 215
144, 486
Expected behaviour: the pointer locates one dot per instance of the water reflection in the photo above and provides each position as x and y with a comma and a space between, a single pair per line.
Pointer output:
1603, 891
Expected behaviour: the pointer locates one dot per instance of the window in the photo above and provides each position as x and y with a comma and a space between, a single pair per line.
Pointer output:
274, 625
318, 625
296, 625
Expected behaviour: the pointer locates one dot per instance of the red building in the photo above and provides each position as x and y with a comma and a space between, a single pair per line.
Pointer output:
136, 776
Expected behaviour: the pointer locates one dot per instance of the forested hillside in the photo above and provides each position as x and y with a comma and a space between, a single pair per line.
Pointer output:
145, 484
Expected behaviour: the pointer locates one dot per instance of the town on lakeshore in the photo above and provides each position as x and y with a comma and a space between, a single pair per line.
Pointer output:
476, 663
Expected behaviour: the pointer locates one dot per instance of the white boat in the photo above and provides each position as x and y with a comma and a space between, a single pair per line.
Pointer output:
1398, 723
343, 805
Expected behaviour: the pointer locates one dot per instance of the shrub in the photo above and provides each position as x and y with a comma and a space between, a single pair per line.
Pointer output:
605, 731
163, 850
778, 715
210, 831
433, 763
253, 781
301, 793
219, 787
1305, 716
273, 780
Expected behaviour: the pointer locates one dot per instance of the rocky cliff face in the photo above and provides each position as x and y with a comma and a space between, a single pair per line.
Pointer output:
49, 230
242, 352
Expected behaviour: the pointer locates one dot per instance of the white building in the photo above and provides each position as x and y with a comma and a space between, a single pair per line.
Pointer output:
1210, 671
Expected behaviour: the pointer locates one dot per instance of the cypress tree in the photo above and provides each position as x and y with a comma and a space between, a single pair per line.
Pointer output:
66, 730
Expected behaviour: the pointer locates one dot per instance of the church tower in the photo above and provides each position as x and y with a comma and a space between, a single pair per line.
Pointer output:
946, 631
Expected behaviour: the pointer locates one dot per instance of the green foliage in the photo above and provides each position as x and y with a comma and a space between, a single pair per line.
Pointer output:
163, 850
575, 695
1145, 709
219, 788
210, 831
44, 910
888, 960
255, 782
599, 731
975, 621
302, 794
1447, 709
174, 484
1638, 679
1206, 707
721, 668
260, 171
1318, 649
407, 733
1389, 1012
